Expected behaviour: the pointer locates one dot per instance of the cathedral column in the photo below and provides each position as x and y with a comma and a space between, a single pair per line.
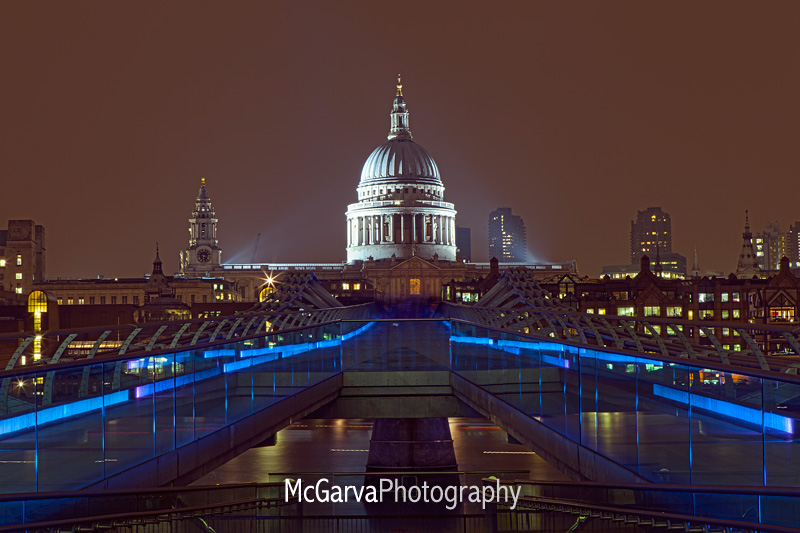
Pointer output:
402, 227
413, 228
452, 231
391, 228
349, 231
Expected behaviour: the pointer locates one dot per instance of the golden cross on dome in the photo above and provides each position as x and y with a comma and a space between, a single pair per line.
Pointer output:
202, 182
399, 86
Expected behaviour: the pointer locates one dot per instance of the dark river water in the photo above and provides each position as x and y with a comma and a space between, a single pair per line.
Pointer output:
342, 445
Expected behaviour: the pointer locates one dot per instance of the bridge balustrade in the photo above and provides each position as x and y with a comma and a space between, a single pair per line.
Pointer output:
665, 419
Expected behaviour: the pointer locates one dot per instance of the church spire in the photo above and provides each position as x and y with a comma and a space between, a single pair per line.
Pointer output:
695, 265
747, 266
399, 115
157, 265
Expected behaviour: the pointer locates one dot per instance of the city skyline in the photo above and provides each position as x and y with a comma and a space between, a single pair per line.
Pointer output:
113, 115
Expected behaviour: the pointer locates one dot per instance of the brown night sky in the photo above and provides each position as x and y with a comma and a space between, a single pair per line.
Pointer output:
575, 115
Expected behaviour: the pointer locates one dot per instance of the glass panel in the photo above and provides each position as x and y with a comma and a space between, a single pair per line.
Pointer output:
662, 423
726, 437
781, 427
18, 434
164, 404
184, 398
70, 429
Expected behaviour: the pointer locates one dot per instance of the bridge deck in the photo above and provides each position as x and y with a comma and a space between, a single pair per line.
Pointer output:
595, 412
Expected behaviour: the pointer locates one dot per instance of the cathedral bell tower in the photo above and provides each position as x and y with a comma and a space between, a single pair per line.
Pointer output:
203, 254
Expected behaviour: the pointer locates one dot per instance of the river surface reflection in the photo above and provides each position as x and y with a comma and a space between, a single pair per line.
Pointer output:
342, 445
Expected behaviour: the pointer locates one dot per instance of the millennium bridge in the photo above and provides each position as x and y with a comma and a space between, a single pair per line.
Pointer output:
656, 424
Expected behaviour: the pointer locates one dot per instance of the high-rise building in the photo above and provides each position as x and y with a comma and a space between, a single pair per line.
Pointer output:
792, 245
651, 234
506, 236
769, 246
464, 244
22, 256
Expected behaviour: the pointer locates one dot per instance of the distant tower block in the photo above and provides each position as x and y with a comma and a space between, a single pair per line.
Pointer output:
401, 210
507, 238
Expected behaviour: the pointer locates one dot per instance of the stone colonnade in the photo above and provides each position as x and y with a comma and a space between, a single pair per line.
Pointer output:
401, 228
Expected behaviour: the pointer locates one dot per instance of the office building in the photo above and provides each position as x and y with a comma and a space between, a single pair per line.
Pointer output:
507, 240
464, 244
22, 256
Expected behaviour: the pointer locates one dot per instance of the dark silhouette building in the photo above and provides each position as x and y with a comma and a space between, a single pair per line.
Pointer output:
464, 244
506, 236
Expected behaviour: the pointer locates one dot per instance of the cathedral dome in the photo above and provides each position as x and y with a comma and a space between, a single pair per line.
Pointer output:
400, 160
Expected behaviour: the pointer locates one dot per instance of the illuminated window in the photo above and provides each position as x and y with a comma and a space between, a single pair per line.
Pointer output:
81, 301
705, 297
726, 314
781, 314
70, 300
601, 310
37, 302
690, 314
414, 286
19, 275
345, 286
706, 314
59, 301
652, 310
735, 297
2, 262
674, 311
19, 290
724, 297
590, 311
737, 313
19, 259
625, 311
726, 332
356, 286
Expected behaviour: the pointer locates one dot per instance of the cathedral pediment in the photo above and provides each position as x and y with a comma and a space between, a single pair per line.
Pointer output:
415, 263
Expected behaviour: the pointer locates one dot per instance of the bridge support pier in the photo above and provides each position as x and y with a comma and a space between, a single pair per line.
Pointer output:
411, 445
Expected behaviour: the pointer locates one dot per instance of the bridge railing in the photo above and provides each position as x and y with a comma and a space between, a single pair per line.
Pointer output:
70, 425
736, 507
765, 346
667, 419
52, 347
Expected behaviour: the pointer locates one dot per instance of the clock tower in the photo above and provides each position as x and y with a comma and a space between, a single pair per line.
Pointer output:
204, 253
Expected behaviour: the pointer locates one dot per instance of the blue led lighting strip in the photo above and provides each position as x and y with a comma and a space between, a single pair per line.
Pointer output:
59, 412
746, 414
254, 357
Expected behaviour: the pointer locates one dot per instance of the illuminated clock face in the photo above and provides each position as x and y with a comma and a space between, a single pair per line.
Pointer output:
204, 256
